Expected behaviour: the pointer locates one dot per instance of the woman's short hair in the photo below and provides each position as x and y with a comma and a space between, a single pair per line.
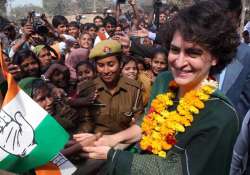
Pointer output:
205, 24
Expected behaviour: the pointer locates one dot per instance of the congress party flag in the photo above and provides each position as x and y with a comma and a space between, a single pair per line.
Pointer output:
59, 165
29, 136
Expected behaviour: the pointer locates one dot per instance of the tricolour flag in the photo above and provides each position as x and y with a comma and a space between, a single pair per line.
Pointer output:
29, 136
59, 165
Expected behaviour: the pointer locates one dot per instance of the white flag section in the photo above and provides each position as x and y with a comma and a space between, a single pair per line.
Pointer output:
18, 125
64, 165
29, 136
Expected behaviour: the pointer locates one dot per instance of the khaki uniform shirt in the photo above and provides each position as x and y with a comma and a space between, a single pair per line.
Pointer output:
113, 113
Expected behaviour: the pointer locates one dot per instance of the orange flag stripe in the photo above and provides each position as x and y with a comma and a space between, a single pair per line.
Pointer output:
13, 88
48, 169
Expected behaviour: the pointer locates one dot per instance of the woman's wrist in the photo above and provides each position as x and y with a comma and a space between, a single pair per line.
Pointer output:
118, 138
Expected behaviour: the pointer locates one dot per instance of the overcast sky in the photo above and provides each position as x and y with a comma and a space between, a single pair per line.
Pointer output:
15, 3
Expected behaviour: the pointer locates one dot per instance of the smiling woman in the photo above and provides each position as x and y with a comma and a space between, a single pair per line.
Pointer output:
189, 63
182, 133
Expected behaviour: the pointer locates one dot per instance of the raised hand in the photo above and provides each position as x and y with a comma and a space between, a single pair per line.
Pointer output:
123, 40
14, 69
44, 17
82, 136
16, 134
132, 2
140, 33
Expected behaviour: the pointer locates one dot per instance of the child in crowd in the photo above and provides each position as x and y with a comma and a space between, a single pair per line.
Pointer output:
98, 21
59, 77
91, 29
129, 67
157, 65
85, 41
60, 24
74, 29
42, 93
28, 63
85, 71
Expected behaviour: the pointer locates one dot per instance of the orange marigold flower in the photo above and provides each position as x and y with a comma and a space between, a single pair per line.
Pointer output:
160, 125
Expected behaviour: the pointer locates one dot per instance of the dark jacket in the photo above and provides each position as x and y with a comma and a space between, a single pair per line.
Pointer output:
236, 84
205, 147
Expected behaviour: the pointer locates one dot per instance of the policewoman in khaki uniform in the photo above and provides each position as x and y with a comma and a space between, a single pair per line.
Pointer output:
119, 99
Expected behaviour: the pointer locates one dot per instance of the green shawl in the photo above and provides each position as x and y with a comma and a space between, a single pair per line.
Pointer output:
205, 148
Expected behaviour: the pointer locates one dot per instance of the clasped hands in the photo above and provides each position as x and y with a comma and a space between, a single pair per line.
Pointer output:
95, 146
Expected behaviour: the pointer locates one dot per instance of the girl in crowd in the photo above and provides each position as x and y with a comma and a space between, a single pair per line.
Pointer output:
28, 63
157, 64
85, 71
58, 75
73, 58
182, 133
130, 70
129, 67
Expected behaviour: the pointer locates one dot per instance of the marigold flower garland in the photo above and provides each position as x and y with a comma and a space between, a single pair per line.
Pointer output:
160, 126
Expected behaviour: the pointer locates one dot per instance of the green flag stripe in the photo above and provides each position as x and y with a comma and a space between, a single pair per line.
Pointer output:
50, 138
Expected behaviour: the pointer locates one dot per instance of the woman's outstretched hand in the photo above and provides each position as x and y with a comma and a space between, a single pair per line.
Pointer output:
97, 152
107, 140
88, 146
86, 139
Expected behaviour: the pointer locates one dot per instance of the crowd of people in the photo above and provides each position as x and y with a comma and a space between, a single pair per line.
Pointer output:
141, 95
